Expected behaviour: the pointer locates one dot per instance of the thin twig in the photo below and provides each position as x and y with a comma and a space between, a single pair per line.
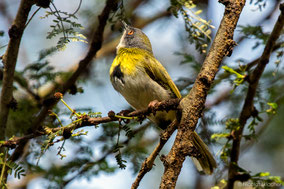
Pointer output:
78, 8
59, 18
262, 126
32, 16
260, 22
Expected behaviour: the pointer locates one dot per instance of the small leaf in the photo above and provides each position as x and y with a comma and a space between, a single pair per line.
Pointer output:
218, 136
264, 174
198, 12
273, 105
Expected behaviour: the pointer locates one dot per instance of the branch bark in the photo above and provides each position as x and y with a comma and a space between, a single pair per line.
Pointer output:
10, 59
193, 104
248, 107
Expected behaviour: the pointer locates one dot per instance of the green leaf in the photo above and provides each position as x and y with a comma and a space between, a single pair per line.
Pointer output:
218, 136
46, 52
231, 70
273, 107
276, 179
262, 174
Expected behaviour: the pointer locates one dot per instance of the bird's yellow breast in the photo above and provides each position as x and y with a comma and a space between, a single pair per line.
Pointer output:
129, 60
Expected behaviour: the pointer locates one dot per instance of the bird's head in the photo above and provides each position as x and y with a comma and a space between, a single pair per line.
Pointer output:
134, 38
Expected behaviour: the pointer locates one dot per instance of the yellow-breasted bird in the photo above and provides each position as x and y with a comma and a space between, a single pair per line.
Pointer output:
140, 78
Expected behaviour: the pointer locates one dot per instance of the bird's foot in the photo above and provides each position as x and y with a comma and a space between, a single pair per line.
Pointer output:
153, 103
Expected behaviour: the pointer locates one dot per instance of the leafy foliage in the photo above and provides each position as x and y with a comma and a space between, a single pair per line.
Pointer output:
198, 29
10, 167
23, 116
41, 72
255, 32
260, 180
65, 24
118, 15
279, 58
273, 107
264, 179
239, 77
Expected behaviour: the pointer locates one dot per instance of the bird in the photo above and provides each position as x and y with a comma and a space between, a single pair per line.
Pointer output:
141, 79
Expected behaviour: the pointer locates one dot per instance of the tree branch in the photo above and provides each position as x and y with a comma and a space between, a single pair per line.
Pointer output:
255, 62
10, 59
248, 107
166, 105
148, 163
263, 126
193, 104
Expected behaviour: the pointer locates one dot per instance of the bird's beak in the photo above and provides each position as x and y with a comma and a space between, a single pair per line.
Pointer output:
125, 26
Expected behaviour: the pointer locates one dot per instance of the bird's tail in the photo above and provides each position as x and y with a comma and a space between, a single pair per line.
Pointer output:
205, 161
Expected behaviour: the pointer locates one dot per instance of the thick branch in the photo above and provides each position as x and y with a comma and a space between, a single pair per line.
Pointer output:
193, 104
10, 59
248, 107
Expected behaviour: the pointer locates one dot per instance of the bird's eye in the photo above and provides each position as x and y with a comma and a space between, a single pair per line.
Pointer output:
131, 32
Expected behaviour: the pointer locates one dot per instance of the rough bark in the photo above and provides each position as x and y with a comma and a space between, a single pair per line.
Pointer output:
10, 59
193, 104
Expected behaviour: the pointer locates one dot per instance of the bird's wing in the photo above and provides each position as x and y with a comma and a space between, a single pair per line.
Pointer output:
158, 73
